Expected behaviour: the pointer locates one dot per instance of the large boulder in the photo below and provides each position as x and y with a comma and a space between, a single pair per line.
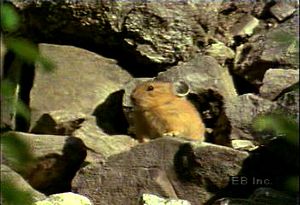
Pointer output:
160, 167
81, 81
56, 159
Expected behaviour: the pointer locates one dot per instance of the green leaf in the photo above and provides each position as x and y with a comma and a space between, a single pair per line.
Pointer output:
23, 110
281, 126
16, 149
292, 184
14, 196
23, 48
9, 18
7, 88
28, 52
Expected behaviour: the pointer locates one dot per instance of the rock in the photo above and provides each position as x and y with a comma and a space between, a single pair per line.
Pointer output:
208, 165
81, 81
58, 122
169, 33
245, 145
149, 168
9, 98
103, 144
167, 36
282, 10
220, 52
150, 199
56, 160
237, 18
288, 102
275, 48
242, 110
8, 175
202, 73
244, 26
261, 196
65, 199
276, 80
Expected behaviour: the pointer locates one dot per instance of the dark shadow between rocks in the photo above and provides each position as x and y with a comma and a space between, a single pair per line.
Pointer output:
269, 166
210, 105
109, 115
67, 30
20, 73
53, 173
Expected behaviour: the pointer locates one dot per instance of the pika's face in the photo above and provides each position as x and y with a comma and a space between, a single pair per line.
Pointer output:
152, 94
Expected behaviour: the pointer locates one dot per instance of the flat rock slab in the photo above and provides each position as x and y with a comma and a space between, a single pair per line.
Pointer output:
149, 168
80, 82
276, 80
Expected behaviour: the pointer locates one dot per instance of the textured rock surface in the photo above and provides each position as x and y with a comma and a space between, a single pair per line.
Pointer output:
150, 199
289, 103
277, 80
65, 199
149, 168
266, 49
202, 73
282, 10
261, 196
106, 145
241, 112
58, 122
7, 174
57, 160
81, 81
84, 96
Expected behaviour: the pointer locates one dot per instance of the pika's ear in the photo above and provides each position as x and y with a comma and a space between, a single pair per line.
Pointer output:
181, 88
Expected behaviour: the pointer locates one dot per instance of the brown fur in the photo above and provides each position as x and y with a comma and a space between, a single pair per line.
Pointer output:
160, 112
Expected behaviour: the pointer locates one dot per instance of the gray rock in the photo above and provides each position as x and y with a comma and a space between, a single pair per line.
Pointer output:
8, 175
242, 110
276, 80
149, 168
282, 10
150, 199
288, 103
9, 98
56, 160
202, 73
244, 26
58, 122
167, 36
261, 196
103, 144
220, 52
81, 81
169, 33
266, 49
65, 199
235, 19
208, 165
245, 145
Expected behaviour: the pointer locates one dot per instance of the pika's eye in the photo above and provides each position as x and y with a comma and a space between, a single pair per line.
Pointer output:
150, 87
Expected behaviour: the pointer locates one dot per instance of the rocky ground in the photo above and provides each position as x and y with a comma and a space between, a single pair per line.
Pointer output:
240, 60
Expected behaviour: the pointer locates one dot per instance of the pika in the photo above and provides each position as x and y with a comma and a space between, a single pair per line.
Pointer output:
159, 111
